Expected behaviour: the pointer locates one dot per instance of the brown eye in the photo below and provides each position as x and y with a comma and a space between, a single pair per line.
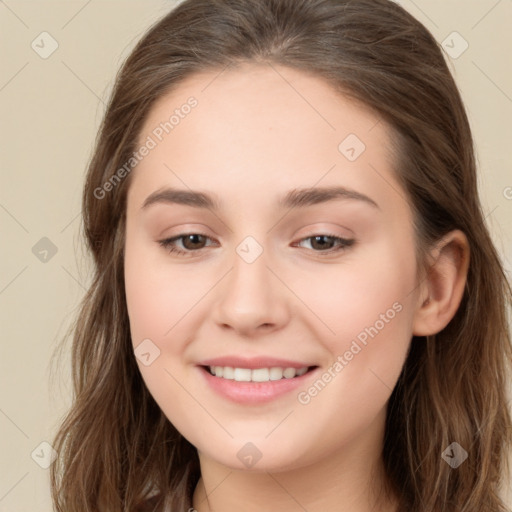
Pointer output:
185, 244
327, 243
193, 241
319, 242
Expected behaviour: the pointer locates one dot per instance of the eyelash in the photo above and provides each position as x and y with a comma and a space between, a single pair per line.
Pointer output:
168, 244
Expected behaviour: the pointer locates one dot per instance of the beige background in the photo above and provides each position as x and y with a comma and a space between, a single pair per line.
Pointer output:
50, 111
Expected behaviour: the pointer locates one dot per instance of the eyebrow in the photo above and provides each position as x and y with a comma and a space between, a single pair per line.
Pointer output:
296, 198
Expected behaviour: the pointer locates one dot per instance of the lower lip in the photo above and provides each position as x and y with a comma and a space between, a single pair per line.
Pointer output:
253, 392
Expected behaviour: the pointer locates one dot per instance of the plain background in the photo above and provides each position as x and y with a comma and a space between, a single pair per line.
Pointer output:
50, 111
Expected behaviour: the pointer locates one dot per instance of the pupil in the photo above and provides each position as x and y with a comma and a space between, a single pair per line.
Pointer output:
317, 239
193, 239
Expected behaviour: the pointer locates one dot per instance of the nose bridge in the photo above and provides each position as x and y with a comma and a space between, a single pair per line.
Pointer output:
249, 286
251, 296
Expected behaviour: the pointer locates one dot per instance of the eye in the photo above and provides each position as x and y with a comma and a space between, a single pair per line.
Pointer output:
194, 242
333, 244
191, 242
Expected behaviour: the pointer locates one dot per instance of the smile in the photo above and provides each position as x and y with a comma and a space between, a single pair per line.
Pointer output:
252, 386
257, 374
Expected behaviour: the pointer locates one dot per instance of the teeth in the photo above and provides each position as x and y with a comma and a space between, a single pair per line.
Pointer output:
275, 373
242, 375
256, 375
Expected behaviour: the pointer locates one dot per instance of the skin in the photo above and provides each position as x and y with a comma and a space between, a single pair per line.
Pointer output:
258, 132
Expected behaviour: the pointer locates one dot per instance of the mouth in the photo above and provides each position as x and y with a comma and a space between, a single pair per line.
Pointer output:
255, 380
274, 373
254, 386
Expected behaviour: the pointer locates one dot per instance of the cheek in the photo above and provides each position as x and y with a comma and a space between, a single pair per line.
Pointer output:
162, 298
368, 291
158, 300
370, 310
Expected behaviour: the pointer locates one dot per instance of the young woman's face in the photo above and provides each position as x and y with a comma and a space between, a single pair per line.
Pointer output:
299, 253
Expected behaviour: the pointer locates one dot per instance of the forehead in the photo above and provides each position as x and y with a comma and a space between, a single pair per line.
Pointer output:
267, 96
262, 125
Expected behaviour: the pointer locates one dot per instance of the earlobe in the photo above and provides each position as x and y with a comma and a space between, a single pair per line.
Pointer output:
443, 287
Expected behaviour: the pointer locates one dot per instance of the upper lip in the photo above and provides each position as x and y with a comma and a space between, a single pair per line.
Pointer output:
253, 362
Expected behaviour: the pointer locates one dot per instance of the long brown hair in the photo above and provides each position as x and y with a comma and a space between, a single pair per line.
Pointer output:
115, 445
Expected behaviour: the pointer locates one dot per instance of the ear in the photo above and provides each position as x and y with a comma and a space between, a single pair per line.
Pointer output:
442, 289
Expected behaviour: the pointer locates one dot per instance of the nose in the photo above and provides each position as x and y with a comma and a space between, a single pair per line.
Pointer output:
251, 299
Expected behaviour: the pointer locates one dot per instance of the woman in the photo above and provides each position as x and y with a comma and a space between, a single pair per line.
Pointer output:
297, 304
